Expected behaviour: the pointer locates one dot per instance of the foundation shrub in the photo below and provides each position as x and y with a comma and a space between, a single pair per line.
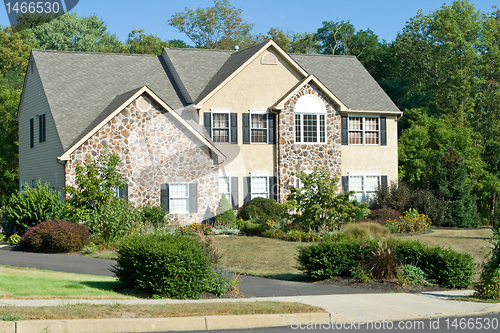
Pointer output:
448, 268
154, 216
261, 208
55, 237
329, 259
225, 215
396, 196
164, 265
31, 206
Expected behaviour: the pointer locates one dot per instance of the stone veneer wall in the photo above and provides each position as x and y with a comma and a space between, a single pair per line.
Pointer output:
154, 149
305, 157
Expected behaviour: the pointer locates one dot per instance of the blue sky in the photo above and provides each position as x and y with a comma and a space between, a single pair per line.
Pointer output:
386, 18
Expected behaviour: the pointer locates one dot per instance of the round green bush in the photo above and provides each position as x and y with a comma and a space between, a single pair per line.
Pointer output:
55, 237
164, 265
261, 208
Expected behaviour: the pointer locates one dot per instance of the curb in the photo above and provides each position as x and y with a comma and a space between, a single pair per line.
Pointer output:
124, 325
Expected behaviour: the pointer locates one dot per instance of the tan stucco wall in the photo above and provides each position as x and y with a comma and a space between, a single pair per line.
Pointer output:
256, 87
370, 158
39, 162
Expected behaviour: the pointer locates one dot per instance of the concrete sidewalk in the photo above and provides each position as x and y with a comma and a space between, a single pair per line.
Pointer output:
352, 308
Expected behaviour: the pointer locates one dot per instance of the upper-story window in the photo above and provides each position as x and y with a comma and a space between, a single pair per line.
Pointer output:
220, 127
258, 127
310, 120
41, 128
364, 130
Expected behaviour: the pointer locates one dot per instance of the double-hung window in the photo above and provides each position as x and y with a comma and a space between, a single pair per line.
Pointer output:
179, 198
220, 127
365, 185
258, 126
225, 187
310, 120
259, 185
364, 130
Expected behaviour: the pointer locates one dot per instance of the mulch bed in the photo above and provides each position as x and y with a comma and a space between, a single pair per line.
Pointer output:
380, 285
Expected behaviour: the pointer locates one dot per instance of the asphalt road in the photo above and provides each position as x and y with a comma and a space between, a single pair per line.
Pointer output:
250, 285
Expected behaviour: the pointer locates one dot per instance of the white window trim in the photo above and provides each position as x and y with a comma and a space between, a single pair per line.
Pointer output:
318, 130
364, 175
221, 111
228, 176
260, 112
363, 131
258, 174
170, 198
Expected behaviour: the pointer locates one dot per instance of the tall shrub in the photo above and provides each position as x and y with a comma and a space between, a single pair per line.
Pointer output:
224, 215
30, 207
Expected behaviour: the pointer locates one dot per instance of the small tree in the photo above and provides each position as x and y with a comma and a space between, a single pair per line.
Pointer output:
318, 204
225, 215
94, 200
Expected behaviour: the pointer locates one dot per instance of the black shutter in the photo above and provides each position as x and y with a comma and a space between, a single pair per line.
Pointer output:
207, 122
234, 192
273, 191
383, 131
247, 189
41, 128
271, 128
165, 203
123, 193
345, 184
234, 128
193, 198
246, 128
32, 133
383, 182
344, 122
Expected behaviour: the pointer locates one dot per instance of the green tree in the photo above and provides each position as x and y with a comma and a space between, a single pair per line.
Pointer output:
72, 33
304, 43
217, 27
29, 20
318, 204
140, 43
225, 215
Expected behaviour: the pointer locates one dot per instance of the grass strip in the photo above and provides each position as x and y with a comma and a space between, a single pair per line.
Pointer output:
474, 299
33, 283
91, 311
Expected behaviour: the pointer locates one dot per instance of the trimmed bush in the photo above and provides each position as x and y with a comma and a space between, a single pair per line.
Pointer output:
165, 265
329, 259
255, 227
30, 207
155, 216
448, 268
261, 208
55, 237
225, 215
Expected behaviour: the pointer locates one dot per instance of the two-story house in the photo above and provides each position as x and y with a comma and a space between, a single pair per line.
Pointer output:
192, 124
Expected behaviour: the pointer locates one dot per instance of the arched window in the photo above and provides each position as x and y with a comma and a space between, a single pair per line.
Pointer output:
310, 120
269, 59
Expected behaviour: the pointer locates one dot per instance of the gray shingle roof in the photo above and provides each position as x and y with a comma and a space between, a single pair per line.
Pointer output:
347, 79
81, 87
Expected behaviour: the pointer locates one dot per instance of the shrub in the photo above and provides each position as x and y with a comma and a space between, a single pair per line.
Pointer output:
261, 208
318, 204
166, 265
361, 230
154, 216
55, 237
410, 222
255, 227
381, 215
222, 280
448, 268
411, 275
110, 221
488, 286
396, 196
2, 237
14, 239
30, 207
431, 205
445, 266
329, 259
224, 214
361, 273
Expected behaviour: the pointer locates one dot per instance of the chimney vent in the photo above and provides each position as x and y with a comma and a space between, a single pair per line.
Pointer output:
236, 48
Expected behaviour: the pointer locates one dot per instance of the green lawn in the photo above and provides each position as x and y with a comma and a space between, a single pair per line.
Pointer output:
33, 283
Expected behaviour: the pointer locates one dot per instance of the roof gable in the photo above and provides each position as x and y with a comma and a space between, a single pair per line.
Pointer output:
121, 102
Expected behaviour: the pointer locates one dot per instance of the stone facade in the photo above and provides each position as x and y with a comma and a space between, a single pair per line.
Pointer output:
154, 149
293, 156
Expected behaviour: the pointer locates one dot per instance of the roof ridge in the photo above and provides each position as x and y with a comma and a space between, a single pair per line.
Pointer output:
196, 49
325, 55
95, 53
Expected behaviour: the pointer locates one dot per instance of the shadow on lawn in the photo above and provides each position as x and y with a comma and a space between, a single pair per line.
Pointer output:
114, 286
